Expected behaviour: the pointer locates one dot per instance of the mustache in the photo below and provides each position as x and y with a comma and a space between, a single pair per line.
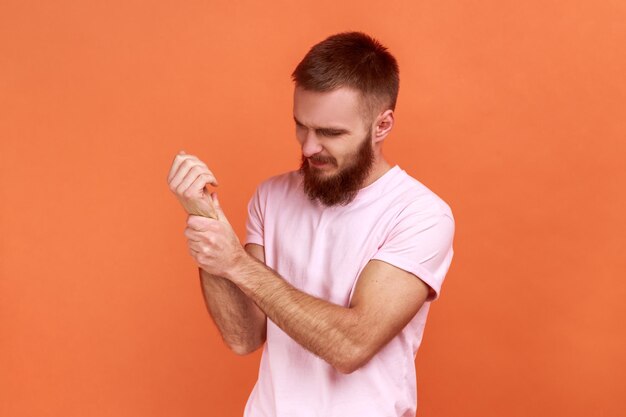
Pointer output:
322, 160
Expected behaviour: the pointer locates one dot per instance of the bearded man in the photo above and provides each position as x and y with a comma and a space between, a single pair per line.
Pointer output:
343, 256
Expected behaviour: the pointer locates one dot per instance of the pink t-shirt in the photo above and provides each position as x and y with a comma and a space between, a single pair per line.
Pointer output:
321, 251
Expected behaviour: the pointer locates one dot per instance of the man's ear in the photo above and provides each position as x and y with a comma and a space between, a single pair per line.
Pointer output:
384, 124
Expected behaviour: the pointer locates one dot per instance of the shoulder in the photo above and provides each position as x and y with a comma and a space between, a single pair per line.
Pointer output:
413, 198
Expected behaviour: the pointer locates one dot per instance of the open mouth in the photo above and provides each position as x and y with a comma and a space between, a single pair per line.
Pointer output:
318, 164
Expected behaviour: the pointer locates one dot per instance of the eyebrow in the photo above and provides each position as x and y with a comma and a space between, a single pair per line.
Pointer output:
339, 130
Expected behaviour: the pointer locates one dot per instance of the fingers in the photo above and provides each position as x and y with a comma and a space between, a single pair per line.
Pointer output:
193, 183
185, 170
216, 203
198, 224
184, 161
178, 159
197, 240
192, 234
197, 184
195, 246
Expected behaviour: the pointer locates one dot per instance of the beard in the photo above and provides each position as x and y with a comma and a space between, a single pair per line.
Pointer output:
342, 187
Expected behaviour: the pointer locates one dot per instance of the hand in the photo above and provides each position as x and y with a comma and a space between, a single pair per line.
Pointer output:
188, 178
213, 243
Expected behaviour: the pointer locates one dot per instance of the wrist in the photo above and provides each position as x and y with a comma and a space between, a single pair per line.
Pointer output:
242, 260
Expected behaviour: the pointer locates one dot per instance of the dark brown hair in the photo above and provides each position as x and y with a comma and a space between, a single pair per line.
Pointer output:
355, 60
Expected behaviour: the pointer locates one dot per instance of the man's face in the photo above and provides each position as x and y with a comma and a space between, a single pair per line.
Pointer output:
337, 152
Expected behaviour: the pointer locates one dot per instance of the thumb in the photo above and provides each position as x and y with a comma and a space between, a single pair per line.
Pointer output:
218, 209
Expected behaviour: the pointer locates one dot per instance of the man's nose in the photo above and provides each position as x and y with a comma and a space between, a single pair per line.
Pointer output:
311, 145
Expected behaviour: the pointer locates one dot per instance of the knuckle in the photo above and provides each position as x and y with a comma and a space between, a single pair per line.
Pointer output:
208, 179
180, 189
186, 163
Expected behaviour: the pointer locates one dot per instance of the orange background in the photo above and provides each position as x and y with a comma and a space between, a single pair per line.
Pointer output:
513, 112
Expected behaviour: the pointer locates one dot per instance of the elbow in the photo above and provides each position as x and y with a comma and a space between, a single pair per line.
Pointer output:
355, 360
355, 352
246, 349
243, 350
240, 350
347, 368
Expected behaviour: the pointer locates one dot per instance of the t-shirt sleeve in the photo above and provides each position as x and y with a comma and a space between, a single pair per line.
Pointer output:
254, 222
422, 245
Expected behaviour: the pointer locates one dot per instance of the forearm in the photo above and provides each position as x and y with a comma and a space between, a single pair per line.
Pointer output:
330, 331
232, 312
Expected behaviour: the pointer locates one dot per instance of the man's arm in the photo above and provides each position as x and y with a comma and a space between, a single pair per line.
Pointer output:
240, 321
384, 301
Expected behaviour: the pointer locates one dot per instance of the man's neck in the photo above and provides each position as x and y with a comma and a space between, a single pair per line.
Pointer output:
380, 168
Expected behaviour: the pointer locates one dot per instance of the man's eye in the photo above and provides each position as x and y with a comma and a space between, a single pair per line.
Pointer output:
330, 133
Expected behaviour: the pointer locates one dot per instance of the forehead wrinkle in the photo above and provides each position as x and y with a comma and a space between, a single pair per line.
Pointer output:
323, 127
